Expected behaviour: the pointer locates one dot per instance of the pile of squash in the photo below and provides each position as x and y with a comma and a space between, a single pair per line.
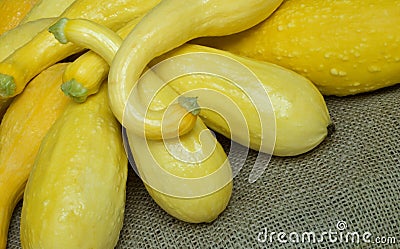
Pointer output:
86, 85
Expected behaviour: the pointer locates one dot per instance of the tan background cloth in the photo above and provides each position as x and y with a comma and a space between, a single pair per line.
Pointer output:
352, 177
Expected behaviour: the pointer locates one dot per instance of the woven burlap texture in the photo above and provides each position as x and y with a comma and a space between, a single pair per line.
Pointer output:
351, 179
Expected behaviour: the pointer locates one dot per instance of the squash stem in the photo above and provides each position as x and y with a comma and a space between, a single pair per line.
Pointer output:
190, 104
57, 30
7, 85
75, 90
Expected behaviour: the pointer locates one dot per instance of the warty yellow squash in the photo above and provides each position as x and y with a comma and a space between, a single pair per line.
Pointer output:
75, 195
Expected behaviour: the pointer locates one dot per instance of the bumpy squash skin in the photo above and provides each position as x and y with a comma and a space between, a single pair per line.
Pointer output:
75, 195
23, 127
301, 115
344, 47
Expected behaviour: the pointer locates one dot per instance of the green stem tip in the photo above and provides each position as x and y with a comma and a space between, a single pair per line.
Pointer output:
7, 85
190, 104
57, 29
75, 90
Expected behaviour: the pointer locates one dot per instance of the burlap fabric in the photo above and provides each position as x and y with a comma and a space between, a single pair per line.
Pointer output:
348, 184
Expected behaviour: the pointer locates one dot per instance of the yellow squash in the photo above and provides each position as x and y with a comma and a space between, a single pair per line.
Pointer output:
75, 195
43, 50
22, 129
84, 76
280, 101
344, 47
12, 12
188, 177
47, 9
